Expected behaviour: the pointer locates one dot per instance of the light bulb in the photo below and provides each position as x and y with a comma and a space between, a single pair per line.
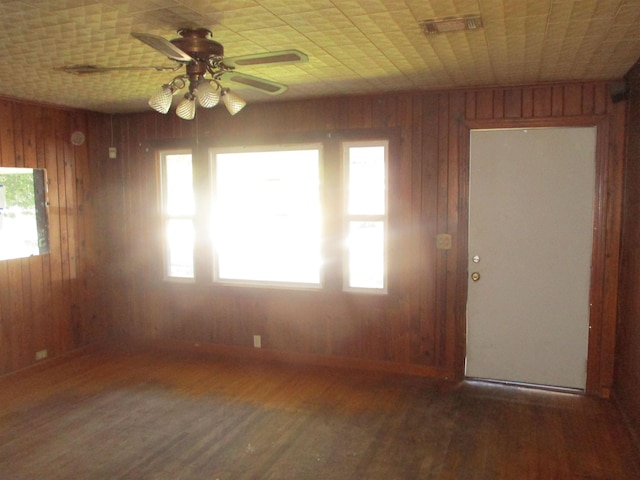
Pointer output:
233, 102
207, 94
161, 99
186, 109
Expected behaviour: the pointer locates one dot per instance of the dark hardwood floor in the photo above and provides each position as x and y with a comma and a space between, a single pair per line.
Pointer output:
162, 415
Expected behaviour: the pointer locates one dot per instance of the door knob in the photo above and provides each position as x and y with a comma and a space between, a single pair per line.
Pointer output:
475, 276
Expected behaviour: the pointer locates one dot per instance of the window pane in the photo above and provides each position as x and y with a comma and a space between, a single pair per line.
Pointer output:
179, 185
19, 235
366, 255
367, 182
268, 222
180, 239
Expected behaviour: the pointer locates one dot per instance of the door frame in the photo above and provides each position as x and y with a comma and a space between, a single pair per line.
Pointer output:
607, 209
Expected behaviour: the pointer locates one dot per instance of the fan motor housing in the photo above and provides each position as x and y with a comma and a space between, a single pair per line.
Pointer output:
196, 43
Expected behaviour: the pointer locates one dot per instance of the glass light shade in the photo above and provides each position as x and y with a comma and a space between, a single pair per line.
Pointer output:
233, 102
186, 109
207, 94
161, 100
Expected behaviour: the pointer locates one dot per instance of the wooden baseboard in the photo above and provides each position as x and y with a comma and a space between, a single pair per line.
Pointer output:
51, 361
263, 354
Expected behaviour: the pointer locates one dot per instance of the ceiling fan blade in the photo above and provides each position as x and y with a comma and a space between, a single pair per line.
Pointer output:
261, 84
284, 56
164, 46
88, 69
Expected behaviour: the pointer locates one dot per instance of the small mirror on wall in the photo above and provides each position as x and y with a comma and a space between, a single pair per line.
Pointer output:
24, 229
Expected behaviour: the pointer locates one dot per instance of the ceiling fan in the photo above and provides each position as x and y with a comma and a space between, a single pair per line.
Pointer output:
206, 69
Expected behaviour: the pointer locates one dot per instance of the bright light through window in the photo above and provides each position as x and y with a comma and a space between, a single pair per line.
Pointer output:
366, 194
179, 185
180, 237
366, 254
178, 209
366, 215
267, 219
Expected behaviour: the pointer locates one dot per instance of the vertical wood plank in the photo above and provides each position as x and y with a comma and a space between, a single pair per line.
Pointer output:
498, 103
557, 101
513, 103
456, 110
527, 102
442, 224
484, 104
427, 275
572, 100
542, 102
588, 99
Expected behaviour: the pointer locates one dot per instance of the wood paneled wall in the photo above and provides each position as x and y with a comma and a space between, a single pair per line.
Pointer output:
627, 379
421, 324
52, 301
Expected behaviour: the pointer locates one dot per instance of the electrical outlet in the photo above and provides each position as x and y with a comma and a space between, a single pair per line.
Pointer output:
257, 341
41, 354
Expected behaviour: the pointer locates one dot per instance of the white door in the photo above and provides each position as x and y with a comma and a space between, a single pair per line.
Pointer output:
531, 194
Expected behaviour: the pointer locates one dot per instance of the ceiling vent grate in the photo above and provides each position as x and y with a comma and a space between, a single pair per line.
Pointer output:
451, 24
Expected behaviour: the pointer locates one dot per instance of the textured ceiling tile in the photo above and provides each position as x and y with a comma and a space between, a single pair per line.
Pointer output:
217, 8
629, 34
629, 13
423, 10
174, 18
286, 7
54, 5
344, 42
223, 5
492, 11
12, 6
454, 7
561, 11
396, 20
273, 39
520, 26
142, 5
251, 18
525, 8
363, 7
318, 20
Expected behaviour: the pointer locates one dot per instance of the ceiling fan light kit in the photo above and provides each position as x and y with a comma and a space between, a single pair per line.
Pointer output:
186, 109
232, 101
206, 70
161, 100
208, 95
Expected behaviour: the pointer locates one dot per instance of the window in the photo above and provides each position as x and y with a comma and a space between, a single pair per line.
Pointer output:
178, 212
365, 165
267, 217
271, 219
24, 229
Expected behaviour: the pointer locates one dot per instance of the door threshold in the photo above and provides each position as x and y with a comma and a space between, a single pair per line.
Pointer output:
530, 386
